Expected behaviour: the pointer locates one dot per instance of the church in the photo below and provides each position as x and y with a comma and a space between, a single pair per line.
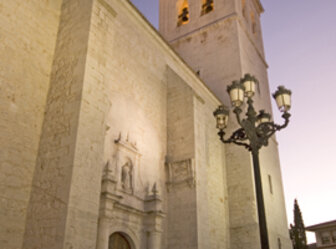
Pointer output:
108, 139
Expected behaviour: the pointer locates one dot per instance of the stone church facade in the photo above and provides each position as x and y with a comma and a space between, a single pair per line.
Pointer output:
107, 135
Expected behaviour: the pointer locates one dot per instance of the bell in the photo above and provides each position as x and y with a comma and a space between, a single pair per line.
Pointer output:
184, 15
208, 6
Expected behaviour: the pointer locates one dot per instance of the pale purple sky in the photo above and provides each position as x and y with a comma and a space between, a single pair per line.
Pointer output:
300, 45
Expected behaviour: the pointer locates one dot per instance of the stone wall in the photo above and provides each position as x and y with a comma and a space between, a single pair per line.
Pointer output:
28, 32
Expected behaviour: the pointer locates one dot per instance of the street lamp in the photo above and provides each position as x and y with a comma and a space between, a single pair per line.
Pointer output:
254, 132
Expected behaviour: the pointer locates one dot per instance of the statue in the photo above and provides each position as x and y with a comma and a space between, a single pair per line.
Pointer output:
126, 176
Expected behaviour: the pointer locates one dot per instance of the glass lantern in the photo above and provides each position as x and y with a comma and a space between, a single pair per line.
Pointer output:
236, 92
283, 98
263, 117
249, 82
222, 117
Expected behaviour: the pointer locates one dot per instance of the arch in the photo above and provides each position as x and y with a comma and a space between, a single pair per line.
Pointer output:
120, 240
207, 6
129, 234
183, 12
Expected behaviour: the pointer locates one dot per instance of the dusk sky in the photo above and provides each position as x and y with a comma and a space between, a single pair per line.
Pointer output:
300, 45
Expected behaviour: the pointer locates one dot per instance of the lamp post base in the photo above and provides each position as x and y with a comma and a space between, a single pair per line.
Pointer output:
260, 201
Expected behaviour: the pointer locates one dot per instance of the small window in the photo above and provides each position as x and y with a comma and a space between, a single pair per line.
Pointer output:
334, 237
325, 238
253, 23
183, 16
270, 183
243, 6
279, 243
207, 6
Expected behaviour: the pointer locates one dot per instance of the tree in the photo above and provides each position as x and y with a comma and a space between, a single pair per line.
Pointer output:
297, 231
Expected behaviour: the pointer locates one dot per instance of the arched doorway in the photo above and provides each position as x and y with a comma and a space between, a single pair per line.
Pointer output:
118, 241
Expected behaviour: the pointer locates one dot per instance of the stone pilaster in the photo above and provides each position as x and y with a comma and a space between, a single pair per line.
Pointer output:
154, 218
63, 208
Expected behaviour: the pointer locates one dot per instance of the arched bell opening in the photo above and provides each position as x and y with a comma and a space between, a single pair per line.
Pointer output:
183, 13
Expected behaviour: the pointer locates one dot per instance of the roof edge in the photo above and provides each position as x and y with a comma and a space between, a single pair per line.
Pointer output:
321, 225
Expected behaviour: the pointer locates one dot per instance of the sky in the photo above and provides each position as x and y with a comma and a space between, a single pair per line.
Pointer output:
300, 46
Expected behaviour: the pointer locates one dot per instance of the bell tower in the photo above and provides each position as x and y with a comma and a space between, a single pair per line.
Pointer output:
221, 40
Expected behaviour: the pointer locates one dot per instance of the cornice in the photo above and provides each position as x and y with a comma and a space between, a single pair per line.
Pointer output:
259, 6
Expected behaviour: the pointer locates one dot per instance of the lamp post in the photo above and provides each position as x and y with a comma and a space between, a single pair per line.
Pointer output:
254, 132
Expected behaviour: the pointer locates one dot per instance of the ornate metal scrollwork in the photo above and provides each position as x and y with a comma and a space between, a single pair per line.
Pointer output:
257, 135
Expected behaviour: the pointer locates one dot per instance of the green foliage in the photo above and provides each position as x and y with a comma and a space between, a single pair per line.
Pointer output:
297, 231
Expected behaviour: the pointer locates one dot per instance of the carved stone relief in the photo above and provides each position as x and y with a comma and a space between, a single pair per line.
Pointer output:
181, 172
124, 197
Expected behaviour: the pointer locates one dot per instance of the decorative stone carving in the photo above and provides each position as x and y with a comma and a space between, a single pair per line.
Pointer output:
153, 202
125, 161
109, 170
126, 143
125, 198
109, 180
181, 172
155, 190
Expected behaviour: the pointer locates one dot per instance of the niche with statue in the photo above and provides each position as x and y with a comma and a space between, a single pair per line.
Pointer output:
122, 169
